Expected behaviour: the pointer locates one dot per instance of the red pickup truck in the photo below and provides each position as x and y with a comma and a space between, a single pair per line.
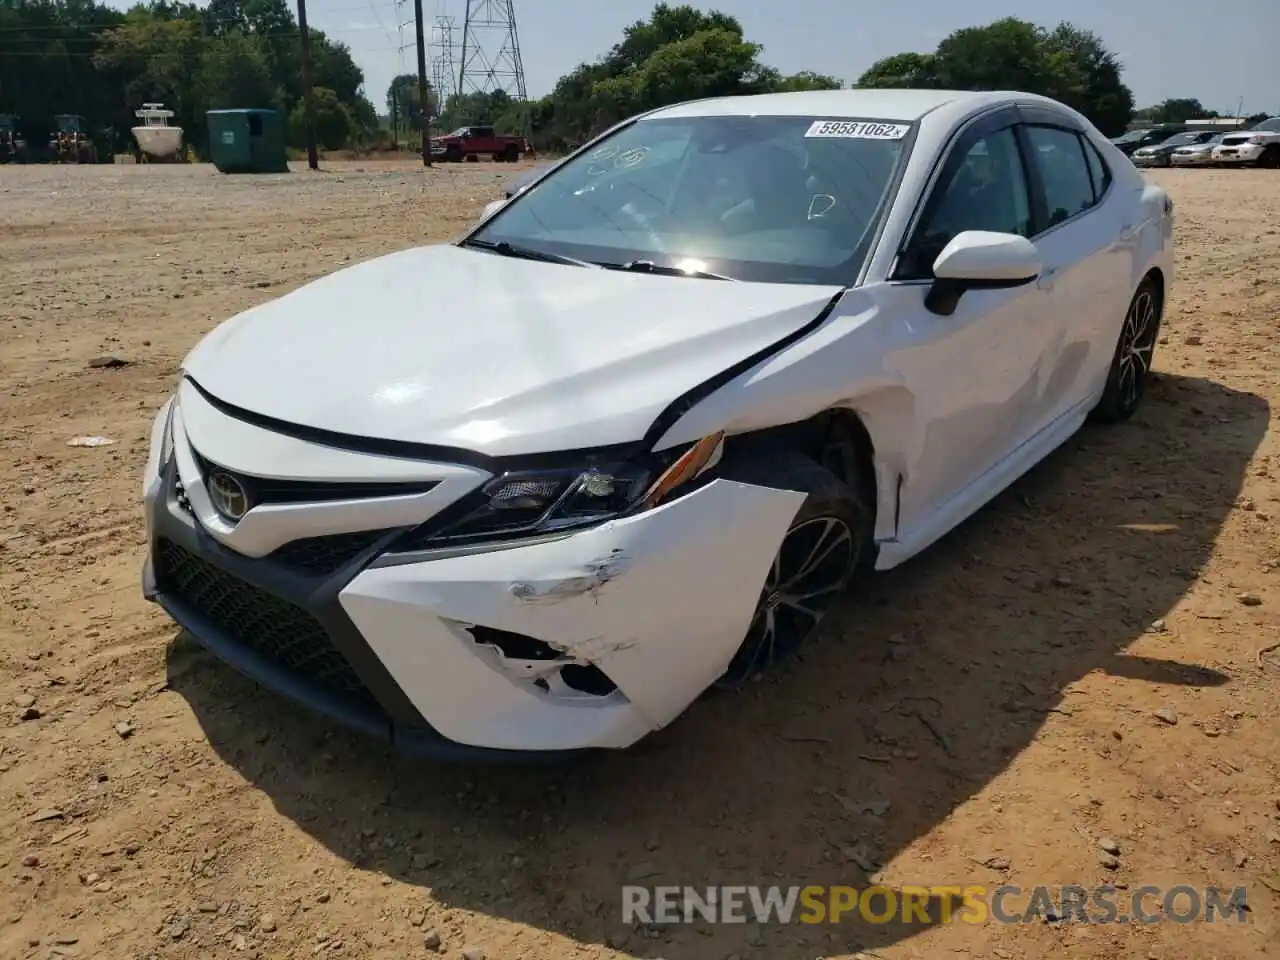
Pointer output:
468, 143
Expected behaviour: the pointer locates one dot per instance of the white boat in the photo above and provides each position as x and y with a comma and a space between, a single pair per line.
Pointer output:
157, 137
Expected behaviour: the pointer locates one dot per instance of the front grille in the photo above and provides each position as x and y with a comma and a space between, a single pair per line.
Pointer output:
320, 556
271, 490
257, 620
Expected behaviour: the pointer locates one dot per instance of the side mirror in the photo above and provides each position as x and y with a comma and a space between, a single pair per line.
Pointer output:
981, 260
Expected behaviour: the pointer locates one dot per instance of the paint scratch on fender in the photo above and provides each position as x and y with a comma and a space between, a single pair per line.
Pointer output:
594, 577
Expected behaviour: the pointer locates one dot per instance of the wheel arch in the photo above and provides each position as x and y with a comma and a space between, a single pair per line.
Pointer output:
868, 429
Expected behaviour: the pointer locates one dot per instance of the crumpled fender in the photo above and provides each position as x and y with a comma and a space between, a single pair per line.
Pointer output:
659, 601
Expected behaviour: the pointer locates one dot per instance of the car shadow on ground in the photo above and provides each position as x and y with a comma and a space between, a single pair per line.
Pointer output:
918, 694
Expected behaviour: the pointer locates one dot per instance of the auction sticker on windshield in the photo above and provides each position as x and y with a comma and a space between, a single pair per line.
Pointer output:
858, 129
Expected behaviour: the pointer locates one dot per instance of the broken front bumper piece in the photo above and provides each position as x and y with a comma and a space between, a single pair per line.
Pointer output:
654, 605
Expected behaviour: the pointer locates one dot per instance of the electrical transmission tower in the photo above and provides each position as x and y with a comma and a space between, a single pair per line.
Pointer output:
444, 69
490, 56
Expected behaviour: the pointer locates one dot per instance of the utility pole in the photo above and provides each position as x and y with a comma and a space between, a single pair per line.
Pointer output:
424, 104
313, 161
395, 118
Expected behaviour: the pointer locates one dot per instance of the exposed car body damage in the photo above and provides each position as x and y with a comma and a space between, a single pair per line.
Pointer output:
721, 538
552, 527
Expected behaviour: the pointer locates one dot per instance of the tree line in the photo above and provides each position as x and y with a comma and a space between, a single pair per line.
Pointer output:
78, 56
82, 57
682, 53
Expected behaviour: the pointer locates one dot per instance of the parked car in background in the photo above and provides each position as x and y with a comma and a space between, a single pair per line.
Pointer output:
471, 143
1259, 145
1135, 140
1197, 154
727, 359
1160, 154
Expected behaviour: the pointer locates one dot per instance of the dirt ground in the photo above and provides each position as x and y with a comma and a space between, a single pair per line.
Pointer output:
1078, 664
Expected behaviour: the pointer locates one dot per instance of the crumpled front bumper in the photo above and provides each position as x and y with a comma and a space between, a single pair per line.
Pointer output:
467, 654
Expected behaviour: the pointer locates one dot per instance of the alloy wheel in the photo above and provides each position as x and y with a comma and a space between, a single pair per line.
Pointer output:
812, 567
1137, 342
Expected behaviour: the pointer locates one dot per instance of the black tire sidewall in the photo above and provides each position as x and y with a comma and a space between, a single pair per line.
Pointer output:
1112, 408
825, 496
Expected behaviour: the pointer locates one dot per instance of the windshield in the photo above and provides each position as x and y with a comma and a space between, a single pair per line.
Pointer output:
1270, 125
1130, 137
1183, 139
772, 199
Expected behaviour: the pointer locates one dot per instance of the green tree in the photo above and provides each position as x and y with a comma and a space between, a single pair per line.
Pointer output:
1177, 110
678, 53
335, 127
235, 72
1068, 64
912, 70
807, 80
403, 101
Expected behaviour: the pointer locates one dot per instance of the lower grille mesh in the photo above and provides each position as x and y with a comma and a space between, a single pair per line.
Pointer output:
273, 628
324, 555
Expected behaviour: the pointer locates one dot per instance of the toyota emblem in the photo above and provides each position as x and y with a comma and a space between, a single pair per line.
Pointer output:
228, 495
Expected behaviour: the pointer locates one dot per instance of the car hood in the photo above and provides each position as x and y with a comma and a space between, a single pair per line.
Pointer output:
463, 348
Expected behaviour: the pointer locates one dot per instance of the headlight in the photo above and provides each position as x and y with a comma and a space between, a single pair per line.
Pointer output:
527, 503
166, 438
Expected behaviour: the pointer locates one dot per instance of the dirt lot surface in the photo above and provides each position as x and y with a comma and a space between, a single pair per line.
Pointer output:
1078, 664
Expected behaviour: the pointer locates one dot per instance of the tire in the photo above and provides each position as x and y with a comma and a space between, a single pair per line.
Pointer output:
511, 153
835, 519
452, 155
1270, 158
1131, 364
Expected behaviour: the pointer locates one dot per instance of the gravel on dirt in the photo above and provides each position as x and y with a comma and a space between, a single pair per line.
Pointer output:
1106, 587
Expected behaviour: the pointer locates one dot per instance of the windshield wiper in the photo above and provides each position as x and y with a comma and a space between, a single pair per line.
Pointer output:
508, 249
648, 266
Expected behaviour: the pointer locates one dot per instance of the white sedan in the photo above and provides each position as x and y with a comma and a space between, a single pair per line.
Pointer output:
537, 490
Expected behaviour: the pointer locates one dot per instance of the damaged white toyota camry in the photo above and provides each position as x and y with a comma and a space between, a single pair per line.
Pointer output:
537, 490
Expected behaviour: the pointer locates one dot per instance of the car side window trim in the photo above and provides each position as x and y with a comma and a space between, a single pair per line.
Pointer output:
1085, 146
944, 172
1108, 178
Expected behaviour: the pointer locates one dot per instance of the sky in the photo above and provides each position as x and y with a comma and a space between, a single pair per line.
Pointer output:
1220, 51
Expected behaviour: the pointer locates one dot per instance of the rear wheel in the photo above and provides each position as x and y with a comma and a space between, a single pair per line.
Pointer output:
1131, 364
1270, 157
511, 153
820, 555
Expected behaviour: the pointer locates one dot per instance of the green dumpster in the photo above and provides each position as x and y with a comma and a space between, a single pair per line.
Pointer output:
247, 141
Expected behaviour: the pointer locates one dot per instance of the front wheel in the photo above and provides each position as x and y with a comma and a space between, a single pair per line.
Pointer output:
1131, 363
1270, 158
819, 556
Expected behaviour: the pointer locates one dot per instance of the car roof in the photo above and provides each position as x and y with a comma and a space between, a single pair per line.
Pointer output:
867, 104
